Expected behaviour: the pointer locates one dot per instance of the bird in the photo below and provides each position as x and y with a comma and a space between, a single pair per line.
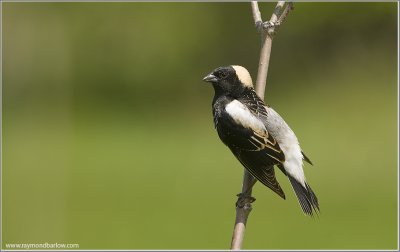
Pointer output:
257, 135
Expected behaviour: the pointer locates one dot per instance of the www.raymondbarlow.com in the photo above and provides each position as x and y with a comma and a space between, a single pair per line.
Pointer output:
45, 245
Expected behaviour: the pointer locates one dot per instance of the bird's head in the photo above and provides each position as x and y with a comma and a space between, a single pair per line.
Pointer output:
230, 79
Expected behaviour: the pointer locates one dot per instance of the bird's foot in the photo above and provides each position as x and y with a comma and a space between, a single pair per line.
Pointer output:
244, 200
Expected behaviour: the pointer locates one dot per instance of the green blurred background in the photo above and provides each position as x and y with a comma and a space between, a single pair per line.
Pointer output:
108, 138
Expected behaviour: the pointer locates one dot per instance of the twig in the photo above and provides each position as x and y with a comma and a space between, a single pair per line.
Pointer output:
285, 12
243, 209
256, 15
267, 30
266, 39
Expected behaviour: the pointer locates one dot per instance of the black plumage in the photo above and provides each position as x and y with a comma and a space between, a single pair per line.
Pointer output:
240, 117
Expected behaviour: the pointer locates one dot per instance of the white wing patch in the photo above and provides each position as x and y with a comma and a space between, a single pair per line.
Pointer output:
242, 115
243, 75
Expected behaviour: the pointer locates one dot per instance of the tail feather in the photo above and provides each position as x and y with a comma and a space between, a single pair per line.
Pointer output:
307, 199
314, 198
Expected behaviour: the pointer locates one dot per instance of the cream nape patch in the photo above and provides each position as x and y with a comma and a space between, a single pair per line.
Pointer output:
243, 75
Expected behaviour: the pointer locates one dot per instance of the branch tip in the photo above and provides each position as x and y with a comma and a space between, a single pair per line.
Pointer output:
288, 8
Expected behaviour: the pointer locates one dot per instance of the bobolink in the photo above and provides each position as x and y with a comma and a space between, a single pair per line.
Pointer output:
257, 135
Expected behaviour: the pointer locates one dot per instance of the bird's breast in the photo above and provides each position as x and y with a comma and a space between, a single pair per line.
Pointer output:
231, 133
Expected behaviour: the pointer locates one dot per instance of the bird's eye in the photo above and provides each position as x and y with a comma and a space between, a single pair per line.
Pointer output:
223, 75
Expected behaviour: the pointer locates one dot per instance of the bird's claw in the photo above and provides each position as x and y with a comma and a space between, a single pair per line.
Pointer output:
244, 200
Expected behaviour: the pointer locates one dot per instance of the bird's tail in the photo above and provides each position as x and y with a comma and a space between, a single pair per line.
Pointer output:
307, 199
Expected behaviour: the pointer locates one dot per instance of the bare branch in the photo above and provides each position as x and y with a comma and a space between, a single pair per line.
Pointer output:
277, 11
256, 15
267, 30
285, 12
243, 209
265, 52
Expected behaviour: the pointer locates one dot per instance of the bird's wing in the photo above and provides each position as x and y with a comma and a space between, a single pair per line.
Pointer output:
257, 164
254, 103
306, 158
251, 143
248, 133
265, 143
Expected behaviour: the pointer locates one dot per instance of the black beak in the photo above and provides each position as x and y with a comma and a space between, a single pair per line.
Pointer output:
210, 78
